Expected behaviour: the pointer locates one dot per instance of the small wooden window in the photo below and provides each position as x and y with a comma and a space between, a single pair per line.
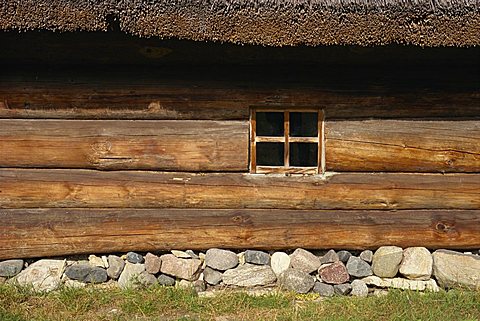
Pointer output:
286, 141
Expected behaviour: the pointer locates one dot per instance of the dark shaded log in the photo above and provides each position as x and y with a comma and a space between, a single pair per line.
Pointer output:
49, 232
408, 146
115, 48
104, 101
227, 91
21, 188
219, 101
160, 145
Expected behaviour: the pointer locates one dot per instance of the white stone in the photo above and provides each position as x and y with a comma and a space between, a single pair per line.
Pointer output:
74, 284
43, 275
417, 263
184, 284
400, 283
105, 261
129, 276
380, 292
241, 258
96, 261
453, 269
181, 254
280, 262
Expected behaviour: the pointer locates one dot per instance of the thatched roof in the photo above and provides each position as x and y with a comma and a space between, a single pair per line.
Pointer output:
266, 22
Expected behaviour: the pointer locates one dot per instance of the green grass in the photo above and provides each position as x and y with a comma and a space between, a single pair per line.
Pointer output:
163, 303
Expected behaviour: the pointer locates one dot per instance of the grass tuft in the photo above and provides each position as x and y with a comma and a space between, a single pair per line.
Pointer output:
166, 303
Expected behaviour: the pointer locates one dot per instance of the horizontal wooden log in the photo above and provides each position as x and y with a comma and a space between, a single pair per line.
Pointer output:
160, 145
409, 146
106, 101
20, 188
48, 232
204, 100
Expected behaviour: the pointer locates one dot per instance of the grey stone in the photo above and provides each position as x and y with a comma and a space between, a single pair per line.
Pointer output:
367, 256
115, 266
454, 269
43, 275
166, 280
221, 260
249, 275
358, 268
343, 256
417, 263
359, 288
10, 268
86, 273
129, 276
152, 263
182, 268
133, 257
330, 257
257, 257
211, 276
386, 261
342, 289
199, 286
280, 262
323, 289
334, 273
304, 261
296, 280
146, 279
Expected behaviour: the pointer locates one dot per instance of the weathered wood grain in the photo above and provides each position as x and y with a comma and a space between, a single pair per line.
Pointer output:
49, 232
20, 188
161, 145
206, 100
409, 146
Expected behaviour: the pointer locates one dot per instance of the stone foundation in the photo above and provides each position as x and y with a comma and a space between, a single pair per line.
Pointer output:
327, 273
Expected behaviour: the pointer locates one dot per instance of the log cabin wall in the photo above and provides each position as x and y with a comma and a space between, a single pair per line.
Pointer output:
113, 143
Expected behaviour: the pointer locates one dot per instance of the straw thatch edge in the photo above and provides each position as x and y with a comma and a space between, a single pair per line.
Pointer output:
270, 22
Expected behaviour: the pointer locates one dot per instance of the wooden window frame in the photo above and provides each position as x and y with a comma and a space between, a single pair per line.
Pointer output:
286, 139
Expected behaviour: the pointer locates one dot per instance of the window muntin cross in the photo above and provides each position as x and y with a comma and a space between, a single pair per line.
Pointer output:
286, 141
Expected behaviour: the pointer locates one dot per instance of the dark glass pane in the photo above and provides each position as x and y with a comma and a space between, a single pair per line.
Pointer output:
269, 124
303, 154
270, 154
303, 124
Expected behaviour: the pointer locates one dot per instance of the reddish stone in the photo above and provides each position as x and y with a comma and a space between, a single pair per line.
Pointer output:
335, 273
152, 263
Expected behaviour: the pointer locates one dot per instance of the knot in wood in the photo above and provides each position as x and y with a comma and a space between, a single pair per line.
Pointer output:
445, 227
